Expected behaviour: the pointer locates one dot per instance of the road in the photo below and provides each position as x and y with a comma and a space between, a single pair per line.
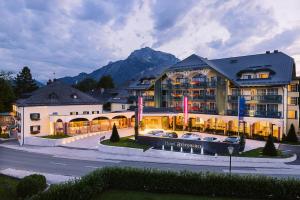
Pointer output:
21, 160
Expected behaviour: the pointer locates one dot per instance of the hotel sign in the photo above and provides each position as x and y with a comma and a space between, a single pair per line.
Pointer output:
182, 144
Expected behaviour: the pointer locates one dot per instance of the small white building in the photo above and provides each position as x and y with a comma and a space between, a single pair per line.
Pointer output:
61, 109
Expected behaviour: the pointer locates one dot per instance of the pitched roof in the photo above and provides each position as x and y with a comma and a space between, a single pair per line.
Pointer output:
56, 94
280, 64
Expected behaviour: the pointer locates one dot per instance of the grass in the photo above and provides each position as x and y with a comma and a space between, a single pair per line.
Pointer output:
135, 195
257, 153
55, 136
8, 187
126, 142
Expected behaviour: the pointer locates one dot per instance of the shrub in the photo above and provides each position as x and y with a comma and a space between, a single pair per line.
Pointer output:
31, 185
291, 136
114, 135
242, 142
269, 149
204, 184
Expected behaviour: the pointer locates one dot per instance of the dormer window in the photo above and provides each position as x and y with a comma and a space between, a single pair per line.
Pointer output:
263, 75
74, 96
247, 76
53, 96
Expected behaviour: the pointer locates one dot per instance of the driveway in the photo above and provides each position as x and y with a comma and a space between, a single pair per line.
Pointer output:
92, 142
291, 149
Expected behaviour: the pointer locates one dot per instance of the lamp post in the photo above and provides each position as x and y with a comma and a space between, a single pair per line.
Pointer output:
230, 150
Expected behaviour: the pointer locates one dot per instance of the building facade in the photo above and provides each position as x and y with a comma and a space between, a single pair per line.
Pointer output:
267, 82
58, 109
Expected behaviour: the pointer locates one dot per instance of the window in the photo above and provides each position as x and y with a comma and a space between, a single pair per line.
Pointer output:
35, 116
123, 107
235, 92
73, 113
261, 108
261, 91
293, 100
293, 88
35, 129
74, 96
86, 112
292, 114
263, 75
247, 76
212, 106
272, 107
272, 91
55, 113
95, 112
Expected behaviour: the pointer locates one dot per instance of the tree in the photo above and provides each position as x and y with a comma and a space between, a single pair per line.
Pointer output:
291, 136
86, 85
7, 95
106, 82
6, 75
270, 149
114, 135
242, 142
24, 82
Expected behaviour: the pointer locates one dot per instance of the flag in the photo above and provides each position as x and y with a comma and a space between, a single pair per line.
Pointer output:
185, 109
140, 108
242, 107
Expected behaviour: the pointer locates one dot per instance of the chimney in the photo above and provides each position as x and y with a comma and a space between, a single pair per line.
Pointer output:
267, 52
276, 51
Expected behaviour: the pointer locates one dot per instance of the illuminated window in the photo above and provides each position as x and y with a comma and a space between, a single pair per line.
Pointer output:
292, 114
73, 113
293, 88
263, 75
86, 112
35, 129
293, 100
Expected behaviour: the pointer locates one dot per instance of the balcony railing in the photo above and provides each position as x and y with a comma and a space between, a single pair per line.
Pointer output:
207, 84
148, 98
195, 98
253, 113
258, 98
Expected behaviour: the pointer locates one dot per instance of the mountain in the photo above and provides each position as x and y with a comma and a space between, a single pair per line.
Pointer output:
144, 61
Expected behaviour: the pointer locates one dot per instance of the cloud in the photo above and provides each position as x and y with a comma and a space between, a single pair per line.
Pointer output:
72, 36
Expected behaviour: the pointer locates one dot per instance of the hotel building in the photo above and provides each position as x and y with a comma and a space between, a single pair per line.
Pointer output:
267, 81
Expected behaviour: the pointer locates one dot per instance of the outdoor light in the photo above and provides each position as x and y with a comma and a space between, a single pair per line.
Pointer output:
230, 150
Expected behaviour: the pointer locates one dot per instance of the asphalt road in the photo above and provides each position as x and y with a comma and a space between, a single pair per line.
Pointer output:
42, 163
291, 149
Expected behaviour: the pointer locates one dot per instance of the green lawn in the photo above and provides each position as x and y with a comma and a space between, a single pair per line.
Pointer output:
134, 195
126, 142
8, 187
55, 136
257, 153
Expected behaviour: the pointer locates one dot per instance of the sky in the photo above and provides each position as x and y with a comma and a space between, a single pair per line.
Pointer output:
58, 38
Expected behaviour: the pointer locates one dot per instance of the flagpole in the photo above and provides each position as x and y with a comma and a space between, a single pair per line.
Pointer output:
239, 115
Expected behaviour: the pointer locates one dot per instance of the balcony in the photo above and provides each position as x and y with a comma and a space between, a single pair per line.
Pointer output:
253, 113
204, 111
203, 97
258, 98
191, 85
148, 98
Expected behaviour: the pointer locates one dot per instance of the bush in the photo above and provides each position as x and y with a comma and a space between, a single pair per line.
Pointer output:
114, 135
204, 184
31, 185
269, 149
291, 136
242, 142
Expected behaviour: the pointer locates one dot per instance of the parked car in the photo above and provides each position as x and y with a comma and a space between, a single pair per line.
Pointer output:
191, 136
211, 139
170, 135
155, 133
232, 139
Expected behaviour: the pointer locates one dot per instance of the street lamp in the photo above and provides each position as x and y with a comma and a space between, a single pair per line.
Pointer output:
230, 150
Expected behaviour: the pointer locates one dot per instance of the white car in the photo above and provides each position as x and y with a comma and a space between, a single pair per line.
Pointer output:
211, 139
191, 136
155, 133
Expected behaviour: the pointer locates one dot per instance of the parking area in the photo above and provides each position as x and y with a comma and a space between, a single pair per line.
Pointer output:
250, 144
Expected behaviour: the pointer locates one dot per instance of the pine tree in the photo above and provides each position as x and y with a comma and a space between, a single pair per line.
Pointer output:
86, 85
270, 149
106, 82
291, 136
114, 135
24, 82
7, 95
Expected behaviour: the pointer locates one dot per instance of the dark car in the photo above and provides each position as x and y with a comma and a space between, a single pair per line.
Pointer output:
232, 139
171, 135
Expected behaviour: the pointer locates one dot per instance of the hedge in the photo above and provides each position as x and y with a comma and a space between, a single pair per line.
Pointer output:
202, 184
30, 185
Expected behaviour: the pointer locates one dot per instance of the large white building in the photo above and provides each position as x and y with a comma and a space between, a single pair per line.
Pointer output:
61, 109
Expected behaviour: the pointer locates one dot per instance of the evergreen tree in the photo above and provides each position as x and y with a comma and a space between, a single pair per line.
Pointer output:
114, 135
291, 136
270, 149
7, 95
106, 82
49, 82
24, 82
86, 85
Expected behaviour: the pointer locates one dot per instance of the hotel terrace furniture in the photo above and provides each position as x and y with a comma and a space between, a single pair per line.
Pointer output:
61, 109
267, 81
